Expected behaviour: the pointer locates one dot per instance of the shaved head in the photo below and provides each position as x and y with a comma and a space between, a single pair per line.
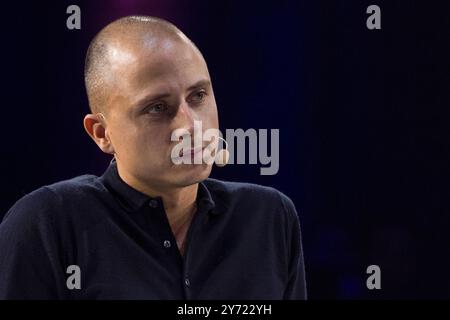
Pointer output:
148, 80
114, 46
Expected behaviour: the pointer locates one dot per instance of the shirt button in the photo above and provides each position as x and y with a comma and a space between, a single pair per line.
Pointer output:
153, 203
187, 282
167, 244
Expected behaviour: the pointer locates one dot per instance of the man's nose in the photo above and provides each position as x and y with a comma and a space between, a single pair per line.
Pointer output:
185, 117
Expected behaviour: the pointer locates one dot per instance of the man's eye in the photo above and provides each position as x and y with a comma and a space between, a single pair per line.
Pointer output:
198, 96
157, 108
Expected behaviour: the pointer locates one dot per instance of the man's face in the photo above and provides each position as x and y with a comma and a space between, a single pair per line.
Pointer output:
158, 87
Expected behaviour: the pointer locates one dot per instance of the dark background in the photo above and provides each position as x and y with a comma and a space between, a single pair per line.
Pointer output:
363, 118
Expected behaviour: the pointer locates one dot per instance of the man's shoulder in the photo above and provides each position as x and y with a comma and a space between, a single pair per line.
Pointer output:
234, 187
75, 187
249, 193
53, 196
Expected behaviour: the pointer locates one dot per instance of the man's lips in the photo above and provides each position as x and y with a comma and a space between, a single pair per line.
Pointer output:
192, 151
190, 154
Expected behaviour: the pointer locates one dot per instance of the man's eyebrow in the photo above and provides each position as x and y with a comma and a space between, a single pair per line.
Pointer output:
157, 96
200, 84
152, 97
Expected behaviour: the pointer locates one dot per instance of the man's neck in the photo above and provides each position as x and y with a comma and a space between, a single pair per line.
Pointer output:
179, 203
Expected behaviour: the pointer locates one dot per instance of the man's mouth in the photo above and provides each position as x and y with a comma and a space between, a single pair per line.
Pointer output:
195, 155
191, 151
189, 156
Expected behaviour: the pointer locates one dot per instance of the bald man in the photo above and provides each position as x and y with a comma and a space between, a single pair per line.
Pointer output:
150, 228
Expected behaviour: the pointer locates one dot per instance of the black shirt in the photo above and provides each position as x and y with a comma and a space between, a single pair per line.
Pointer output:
244, 242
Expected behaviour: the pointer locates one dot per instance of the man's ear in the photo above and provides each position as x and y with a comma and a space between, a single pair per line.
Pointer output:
96, 128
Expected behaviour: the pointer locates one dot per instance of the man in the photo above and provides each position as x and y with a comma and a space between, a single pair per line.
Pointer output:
149, 228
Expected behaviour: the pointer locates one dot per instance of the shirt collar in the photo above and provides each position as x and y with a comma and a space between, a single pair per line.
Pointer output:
132, 200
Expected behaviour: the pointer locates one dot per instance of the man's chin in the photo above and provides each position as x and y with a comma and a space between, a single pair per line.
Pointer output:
190, 174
